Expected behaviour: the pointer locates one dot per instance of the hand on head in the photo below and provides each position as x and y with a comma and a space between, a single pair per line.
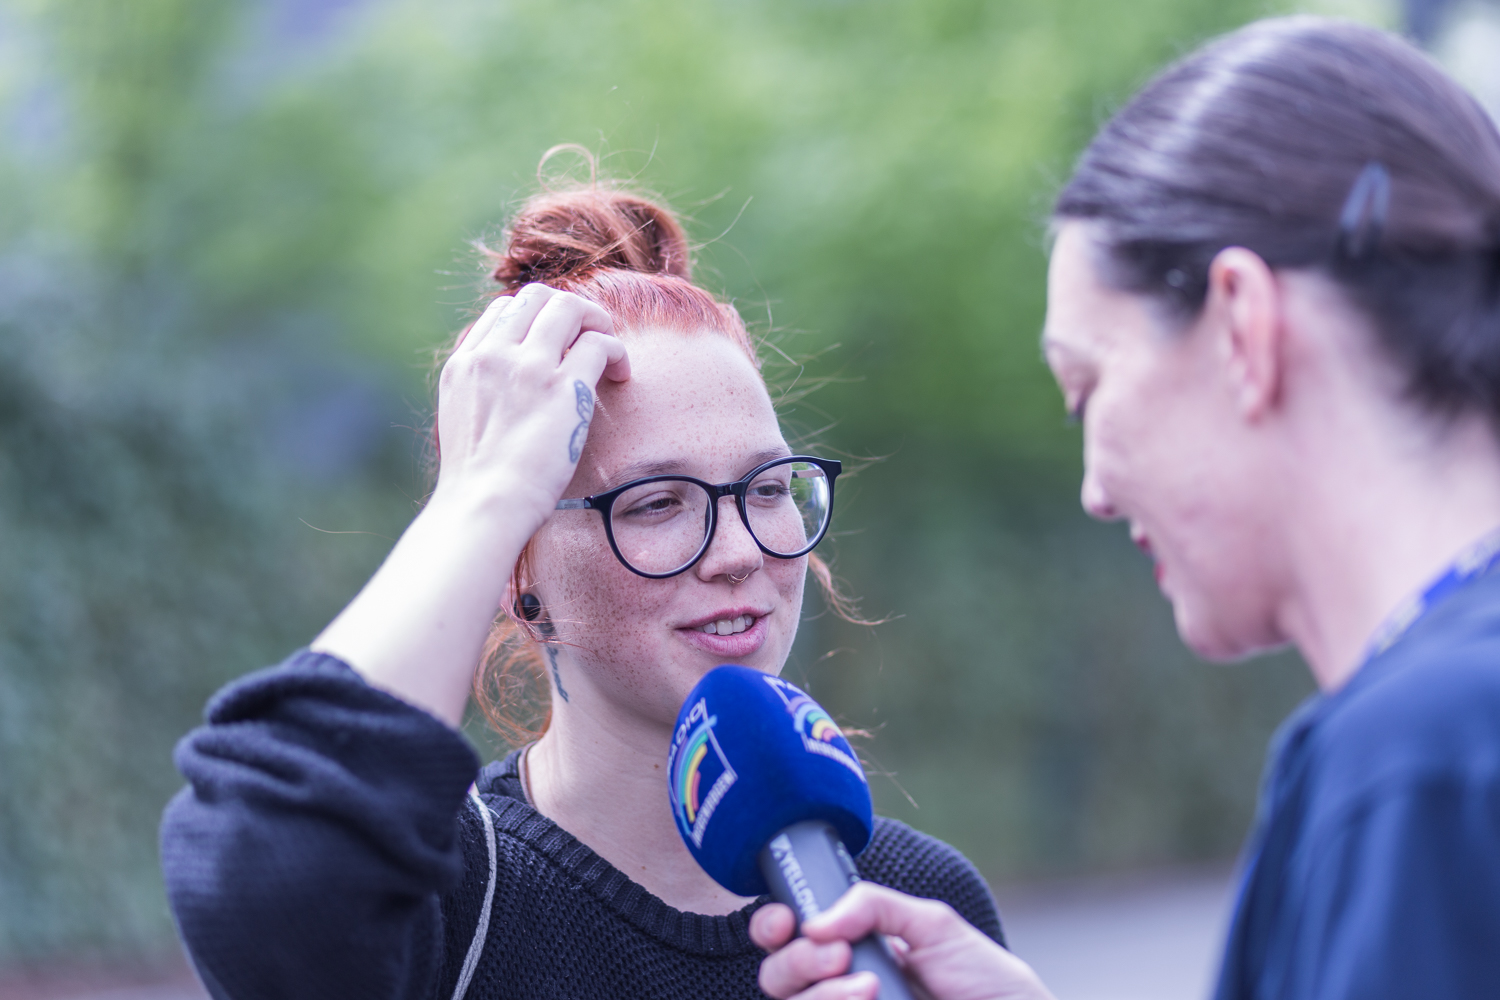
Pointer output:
517, 395
511, 419
940, 951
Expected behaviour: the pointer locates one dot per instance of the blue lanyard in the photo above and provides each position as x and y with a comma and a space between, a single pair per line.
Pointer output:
1474, 561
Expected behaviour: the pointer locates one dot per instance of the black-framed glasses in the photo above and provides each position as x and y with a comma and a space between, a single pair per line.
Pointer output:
660, 526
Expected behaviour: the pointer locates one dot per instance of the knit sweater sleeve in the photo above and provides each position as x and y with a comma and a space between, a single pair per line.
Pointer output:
308, 854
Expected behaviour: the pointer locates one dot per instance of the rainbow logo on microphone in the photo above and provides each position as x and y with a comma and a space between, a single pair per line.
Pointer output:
697, 761
812, 721
820, 735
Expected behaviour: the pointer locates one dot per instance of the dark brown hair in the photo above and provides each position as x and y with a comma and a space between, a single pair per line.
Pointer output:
1321, 144
630, 254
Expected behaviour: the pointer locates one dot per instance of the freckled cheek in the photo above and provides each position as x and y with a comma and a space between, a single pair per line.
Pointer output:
790, 579
599, 605
621, 641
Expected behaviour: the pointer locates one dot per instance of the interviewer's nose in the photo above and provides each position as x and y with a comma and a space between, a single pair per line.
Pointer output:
1095, 500
733, 552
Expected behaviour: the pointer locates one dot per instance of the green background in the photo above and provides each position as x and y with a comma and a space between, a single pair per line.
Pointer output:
232, 236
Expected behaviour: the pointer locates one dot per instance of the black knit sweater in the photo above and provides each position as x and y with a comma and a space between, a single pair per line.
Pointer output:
325, 848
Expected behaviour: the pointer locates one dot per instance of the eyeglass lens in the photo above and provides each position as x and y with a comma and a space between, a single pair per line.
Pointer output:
659, 527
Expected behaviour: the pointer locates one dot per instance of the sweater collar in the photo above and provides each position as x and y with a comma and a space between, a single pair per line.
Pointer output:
695, 933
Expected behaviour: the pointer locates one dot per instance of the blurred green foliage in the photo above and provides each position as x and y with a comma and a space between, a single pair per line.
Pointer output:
232, 234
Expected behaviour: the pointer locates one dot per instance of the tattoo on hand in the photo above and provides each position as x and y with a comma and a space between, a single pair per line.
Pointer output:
556, 674
585, 397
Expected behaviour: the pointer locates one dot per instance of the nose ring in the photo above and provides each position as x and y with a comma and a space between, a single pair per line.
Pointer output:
738, 579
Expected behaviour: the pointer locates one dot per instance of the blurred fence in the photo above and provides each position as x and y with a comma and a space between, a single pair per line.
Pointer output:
232, 235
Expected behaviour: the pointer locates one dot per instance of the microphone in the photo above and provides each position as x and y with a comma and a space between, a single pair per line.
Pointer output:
769, 797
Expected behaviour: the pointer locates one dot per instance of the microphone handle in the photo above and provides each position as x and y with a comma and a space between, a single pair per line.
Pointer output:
808, 868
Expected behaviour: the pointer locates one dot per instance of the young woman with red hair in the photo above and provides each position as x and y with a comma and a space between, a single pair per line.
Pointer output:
613, 482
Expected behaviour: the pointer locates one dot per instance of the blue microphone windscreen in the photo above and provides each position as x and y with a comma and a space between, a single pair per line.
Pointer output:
751, 755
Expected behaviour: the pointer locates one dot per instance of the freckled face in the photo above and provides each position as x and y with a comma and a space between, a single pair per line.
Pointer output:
694, 405
1165, 449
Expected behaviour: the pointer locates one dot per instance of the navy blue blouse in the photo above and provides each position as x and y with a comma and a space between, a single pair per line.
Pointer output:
1374, 871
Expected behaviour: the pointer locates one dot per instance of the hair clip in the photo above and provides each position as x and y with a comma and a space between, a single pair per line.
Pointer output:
1362, 221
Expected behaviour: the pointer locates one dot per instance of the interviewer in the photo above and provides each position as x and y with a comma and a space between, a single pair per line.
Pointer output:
1274, 303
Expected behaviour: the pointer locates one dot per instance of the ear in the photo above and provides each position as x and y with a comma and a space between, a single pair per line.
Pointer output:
1245, 299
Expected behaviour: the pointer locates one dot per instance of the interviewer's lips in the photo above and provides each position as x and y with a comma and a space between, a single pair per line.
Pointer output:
1143, 542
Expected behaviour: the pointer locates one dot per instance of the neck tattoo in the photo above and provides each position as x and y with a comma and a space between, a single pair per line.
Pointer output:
556, 674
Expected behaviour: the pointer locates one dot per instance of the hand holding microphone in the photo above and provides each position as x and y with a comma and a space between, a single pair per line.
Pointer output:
769, 797
942, 953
